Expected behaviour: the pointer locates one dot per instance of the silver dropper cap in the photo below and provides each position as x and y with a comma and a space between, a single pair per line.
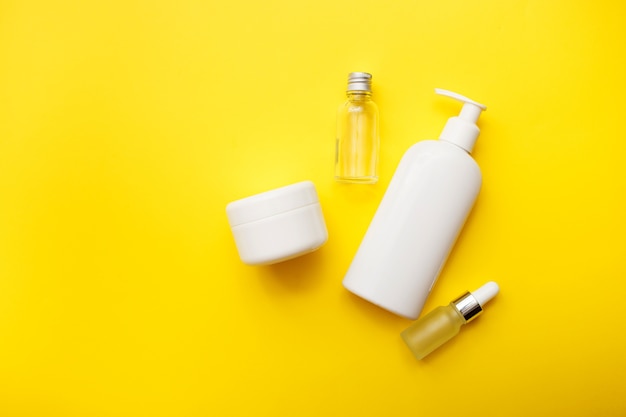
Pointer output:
470, 304
360, 81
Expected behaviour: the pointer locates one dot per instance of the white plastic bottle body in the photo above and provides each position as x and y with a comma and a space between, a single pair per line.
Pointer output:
415, 227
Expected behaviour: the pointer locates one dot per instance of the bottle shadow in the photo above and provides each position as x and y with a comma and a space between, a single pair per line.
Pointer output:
376, 314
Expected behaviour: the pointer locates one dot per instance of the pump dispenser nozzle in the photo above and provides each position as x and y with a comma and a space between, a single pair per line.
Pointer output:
462, 130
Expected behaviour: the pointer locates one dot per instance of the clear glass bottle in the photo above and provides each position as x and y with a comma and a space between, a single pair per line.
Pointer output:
356, 159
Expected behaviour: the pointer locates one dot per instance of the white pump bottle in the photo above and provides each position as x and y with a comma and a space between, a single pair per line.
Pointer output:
420, 217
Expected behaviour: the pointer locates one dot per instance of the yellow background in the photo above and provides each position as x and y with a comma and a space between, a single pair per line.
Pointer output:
127, 126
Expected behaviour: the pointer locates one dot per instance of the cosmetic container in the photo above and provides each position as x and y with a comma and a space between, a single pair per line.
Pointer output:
277, 225
443, 323
419, 217
356, 153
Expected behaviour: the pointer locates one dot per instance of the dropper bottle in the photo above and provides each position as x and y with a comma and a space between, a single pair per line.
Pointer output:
443, 323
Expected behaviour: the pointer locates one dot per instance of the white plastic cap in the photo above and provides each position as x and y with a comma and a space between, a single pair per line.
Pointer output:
486, 292
270, 203
462, 130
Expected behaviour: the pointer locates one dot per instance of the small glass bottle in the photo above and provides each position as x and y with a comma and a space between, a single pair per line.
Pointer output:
443, 323
357, 145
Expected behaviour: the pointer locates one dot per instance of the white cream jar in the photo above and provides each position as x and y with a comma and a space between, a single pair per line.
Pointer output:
277, 225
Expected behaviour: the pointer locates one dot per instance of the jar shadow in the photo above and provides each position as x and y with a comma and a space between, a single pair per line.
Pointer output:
303, 273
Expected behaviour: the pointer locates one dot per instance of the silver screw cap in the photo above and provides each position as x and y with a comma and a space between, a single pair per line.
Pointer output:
360, 81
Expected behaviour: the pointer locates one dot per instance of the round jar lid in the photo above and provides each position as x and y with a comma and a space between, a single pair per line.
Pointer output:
270, 203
